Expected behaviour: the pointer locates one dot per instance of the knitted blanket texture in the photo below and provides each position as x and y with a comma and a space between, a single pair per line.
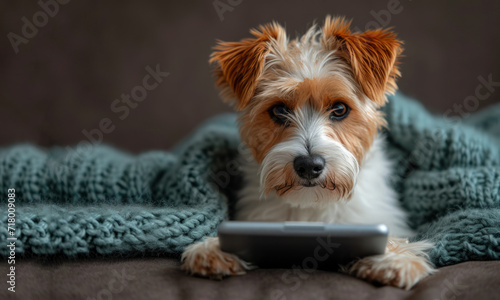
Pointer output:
101, 201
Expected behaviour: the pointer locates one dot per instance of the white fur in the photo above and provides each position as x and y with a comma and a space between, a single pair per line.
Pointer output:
372, 201
303, 58
310, 138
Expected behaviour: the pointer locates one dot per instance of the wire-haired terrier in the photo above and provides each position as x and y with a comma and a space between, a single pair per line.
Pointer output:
309, 113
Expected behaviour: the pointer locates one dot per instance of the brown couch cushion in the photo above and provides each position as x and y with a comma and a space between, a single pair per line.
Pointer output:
160, 278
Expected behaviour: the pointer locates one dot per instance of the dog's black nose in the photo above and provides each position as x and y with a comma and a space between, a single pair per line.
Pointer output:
309, 166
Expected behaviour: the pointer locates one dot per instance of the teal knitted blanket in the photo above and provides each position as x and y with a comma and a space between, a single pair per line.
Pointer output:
102, 201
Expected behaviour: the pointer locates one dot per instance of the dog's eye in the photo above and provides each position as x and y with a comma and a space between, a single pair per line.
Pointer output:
279, 113
338, 111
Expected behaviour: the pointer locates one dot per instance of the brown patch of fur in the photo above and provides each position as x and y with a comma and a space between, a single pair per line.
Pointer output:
355, 132
373, 56
259, 132
239, 64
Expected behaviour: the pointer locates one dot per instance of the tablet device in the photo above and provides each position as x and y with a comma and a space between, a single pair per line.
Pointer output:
308, 245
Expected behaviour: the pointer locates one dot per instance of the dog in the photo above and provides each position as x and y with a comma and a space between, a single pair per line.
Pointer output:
309, 116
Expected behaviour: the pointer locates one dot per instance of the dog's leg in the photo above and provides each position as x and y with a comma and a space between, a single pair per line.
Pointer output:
403, 265
207, 260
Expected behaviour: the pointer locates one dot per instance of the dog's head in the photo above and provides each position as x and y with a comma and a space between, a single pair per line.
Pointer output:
309, 106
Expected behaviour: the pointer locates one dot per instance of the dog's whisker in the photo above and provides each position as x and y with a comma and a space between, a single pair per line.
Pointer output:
279, 188
334, 187
289, 188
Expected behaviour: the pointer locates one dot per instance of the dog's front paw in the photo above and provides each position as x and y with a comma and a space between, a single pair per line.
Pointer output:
403, 265
207, 260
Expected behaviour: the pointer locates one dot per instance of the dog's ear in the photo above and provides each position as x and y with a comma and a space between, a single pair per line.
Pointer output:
373, 56
239, 64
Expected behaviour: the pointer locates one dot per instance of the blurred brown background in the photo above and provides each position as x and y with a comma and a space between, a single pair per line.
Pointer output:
65, 77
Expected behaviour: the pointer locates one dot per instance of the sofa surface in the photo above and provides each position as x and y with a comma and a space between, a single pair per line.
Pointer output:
161, 278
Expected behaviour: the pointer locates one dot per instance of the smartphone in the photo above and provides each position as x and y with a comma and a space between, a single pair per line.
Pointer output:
307, 245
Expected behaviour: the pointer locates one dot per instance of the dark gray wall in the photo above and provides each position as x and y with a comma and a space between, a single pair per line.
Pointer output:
65, 78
